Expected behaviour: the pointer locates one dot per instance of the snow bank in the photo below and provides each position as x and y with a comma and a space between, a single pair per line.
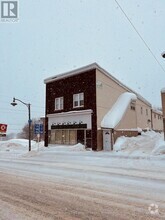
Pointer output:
120, 143
148, 143
159, 147
15, 148
15, 144
114, 116
77, 147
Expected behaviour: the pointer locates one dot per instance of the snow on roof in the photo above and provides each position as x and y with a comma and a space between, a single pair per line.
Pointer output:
91, 67
114, 116
156, 110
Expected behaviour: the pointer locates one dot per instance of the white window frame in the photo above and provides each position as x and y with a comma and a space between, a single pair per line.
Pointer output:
78, 100
59, 103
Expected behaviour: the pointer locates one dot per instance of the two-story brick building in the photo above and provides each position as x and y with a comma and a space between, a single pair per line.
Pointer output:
81, 105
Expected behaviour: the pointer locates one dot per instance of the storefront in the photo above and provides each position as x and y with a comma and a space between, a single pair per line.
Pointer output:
71, 128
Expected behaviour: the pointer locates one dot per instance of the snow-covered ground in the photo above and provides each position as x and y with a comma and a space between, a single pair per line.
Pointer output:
71, 182
149, 144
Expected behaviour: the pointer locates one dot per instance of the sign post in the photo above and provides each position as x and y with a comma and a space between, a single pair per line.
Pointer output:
3, 129
38, 130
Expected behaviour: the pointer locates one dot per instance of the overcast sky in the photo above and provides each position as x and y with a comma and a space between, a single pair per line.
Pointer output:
56, 36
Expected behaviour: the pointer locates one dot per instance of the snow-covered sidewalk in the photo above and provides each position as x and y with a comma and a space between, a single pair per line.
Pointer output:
147, 145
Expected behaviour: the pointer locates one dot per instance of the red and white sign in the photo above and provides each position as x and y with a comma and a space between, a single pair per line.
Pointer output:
3, 128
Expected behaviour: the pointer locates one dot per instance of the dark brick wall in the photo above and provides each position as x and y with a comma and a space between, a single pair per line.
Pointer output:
66, 87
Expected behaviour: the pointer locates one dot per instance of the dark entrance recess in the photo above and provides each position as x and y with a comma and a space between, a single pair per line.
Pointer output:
85, 136
80, 136
88, 138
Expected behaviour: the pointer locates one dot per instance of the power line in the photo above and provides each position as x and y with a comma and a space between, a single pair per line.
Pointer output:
151, 52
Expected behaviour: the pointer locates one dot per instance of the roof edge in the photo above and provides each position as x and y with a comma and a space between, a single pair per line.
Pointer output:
71, 73
90, 67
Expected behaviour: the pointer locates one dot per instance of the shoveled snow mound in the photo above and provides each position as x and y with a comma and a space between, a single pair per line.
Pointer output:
116, 113
148, 143
15, 148
77, 147
159, 147
14, 144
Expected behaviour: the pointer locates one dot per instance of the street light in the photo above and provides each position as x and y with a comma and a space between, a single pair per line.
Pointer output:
29, 121
163, 54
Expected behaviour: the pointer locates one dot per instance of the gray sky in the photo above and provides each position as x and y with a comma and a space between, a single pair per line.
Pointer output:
56, 36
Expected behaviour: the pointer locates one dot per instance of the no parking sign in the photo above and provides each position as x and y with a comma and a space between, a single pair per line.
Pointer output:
3, 128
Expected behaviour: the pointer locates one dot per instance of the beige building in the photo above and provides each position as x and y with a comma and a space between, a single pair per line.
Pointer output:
97, 108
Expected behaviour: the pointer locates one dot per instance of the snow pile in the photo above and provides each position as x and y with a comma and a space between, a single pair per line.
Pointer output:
148, 143
15, 144
120, 144
17, 147
114, 116
77, 147
159, 147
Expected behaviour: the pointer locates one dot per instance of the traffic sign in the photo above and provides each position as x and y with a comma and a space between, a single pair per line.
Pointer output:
38, 128
2, 135
3, 128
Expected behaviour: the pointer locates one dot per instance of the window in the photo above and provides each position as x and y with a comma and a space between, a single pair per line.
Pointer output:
146, 111
133, 105
141, 110
78, 100
59, 103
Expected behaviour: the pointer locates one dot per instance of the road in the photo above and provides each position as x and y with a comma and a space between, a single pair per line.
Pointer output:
76, 185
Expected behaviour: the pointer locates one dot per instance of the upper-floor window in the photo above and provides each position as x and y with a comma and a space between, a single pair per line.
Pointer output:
132, 105
59, 103
141, 110
146, 111
78, 100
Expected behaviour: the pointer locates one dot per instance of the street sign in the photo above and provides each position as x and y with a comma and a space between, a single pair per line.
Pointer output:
2, 135
3, 128
38, 128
